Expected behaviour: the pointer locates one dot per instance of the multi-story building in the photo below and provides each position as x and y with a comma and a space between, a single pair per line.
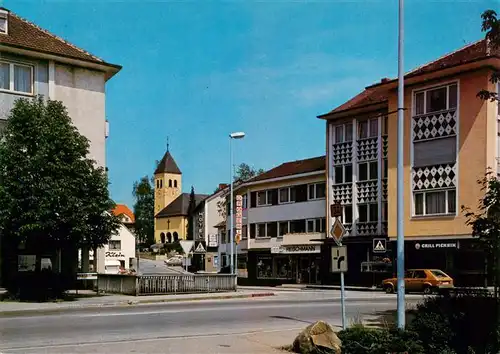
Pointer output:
283, 224
36, 62
451, 139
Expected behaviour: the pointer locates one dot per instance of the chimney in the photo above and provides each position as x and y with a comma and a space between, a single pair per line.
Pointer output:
222, 186
384, 80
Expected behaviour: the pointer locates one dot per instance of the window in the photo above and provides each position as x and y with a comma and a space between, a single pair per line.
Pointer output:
385, 125
343, 133
297, 226
284, 195
175, 183
283, 228
3, 22
343, 174
245, 201
420, 274
115, 245
347, 214
435, 203
316, 225
261, 230
272, 229
368, 212
317, 191
436, 99
368, 171
244, 233
368, 128
385, 211
16, 77
170, 183
264, 267
262, 198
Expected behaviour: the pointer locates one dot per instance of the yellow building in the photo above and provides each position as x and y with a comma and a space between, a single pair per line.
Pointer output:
171, 205
451, 137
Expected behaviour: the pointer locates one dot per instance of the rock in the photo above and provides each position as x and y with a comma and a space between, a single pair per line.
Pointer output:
317, 338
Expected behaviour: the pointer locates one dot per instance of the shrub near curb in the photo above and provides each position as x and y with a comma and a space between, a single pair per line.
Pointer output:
361, 340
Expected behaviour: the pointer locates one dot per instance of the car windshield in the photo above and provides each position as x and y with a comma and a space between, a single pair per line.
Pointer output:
439, 274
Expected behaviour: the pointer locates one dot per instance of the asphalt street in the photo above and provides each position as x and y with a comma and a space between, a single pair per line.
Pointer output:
141, 328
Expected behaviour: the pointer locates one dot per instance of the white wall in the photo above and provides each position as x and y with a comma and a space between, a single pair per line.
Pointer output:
127, 246
83, 93
212, 216
293, 211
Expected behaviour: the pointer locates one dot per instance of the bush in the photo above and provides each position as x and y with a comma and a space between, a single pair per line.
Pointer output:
464, 323
362, 340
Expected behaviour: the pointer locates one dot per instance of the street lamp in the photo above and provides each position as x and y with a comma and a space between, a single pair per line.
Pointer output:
236, 135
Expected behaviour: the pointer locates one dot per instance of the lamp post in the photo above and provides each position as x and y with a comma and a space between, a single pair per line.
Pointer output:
400, 176
236, 135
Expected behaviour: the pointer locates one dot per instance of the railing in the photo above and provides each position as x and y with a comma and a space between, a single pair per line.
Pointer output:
166, 284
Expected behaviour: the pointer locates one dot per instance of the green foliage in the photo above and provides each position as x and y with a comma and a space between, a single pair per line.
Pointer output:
245, 172
491, 25
50, 191
143, 192
191, 209
362, 340
463, 323
174, 246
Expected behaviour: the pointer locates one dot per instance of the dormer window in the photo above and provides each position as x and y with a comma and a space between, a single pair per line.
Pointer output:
4, 17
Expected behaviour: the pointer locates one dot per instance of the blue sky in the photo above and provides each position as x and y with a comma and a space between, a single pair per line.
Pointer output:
197, 70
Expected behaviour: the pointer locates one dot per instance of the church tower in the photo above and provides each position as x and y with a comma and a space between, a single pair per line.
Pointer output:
168, 182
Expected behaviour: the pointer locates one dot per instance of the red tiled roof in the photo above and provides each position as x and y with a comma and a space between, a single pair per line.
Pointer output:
292, 168
122, 209
24, 34
377, 94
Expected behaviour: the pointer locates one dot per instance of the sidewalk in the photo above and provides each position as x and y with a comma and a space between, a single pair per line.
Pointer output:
86, 300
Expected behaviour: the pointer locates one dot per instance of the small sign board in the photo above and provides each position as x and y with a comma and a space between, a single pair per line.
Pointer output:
339, 259
336, 210
379, 245
338, 231
86, 276
239, 218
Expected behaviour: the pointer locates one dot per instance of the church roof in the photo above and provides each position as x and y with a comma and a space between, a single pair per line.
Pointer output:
180, 206
168, 165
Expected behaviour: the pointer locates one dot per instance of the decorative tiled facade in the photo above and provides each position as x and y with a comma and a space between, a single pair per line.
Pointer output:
367, 149
434, 177
342, 153
432, 126
367, 192
343, 193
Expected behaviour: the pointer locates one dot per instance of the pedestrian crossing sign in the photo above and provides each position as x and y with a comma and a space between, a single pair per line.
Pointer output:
379, 245
199, 249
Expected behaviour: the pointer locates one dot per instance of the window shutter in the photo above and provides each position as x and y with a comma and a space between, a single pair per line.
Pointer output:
434, 152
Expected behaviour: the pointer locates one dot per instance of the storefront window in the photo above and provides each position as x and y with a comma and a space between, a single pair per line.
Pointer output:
242, 262
264, 267
283, 267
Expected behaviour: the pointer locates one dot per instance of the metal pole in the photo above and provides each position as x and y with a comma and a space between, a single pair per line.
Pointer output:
400, 175
231, 234
342, 300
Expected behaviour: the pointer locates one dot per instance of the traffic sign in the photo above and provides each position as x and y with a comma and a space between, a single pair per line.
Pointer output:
379, 245
187, 245
339, 259
336, 210
338, 231
200, 248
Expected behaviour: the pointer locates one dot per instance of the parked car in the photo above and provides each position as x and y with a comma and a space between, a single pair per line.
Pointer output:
420, 280
174, 261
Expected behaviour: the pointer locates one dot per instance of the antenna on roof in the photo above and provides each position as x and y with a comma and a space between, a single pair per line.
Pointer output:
168, 144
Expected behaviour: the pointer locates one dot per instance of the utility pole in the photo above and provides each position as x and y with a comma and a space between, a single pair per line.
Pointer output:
400, 176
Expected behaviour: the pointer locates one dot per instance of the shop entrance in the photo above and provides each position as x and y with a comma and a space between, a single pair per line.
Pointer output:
308, 270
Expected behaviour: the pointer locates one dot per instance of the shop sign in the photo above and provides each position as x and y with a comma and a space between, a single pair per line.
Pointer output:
112, 254
295, 249
86, 276
212, 240
437, 245
239, 217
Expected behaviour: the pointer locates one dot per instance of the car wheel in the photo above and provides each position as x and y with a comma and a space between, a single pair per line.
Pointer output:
389, 289
427, 290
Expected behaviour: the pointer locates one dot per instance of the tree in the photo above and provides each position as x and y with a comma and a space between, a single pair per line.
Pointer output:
143, 192
52, 196
491, 25
485, 223
191, 209
245, 172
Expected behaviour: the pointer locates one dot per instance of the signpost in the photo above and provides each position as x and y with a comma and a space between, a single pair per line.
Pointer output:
187, 246
339, 254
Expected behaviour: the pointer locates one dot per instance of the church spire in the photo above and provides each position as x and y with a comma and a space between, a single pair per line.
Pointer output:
167, 163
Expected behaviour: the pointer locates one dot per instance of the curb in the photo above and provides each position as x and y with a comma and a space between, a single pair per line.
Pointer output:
337, 287
121, 304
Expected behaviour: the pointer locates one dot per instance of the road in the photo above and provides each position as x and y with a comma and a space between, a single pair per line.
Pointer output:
148, 266
178, 327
